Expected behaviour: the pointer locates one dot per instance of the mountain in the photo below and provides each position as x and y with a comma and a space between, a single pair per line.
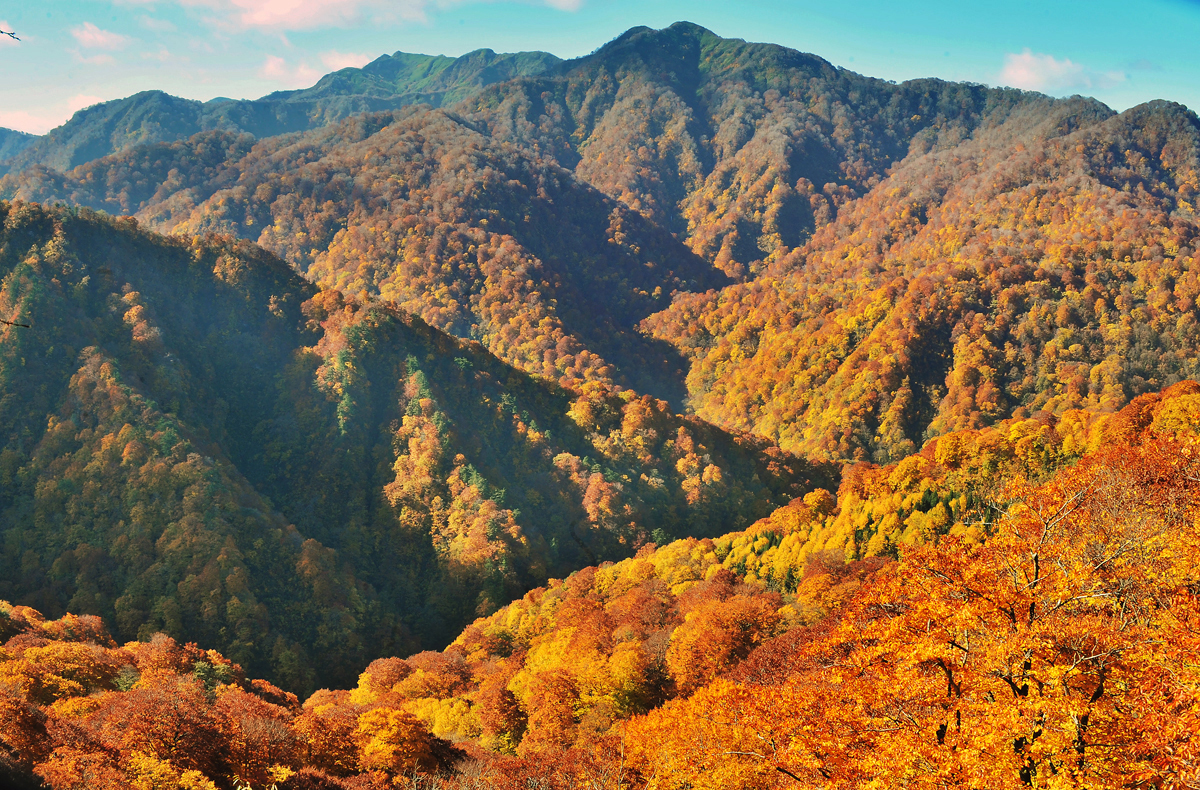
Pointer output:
710, 181
195, 440
393, 81
393, 408
1048, 263
740, 149
14, 142
389, 82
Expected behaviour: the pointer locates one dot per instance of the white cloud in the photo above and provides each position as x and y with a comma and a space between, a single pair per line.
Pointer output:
81, 100
32, 122
307, 14
1040, 72
277, 69
343, 60
40, 121
92, 37
162, 55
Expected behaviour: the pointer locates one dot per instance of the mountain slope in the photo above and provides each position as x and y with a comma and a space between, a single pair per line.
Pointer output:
674, 124
1048, 263
389, 82
194, 440
392, 81
906, 259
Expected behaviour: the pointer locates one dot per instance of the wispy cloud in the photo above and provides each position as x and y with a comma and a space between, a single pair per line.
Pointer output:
280, 15
1041, 72
81, 101
162, 55
31, 122
157, 25
277, 69
93, 60
1145, 64
343, 60
92, 37
307, 14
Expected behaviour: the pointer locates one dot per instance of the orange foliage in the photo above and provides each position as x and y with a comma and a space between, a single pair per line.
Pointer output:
152, 715
1035, 659
716, 635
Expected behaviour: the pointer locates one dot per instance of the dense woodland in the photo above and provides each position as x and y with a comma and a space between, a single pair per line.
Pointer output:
1035, 580
12, 143
1047, 264
693, 414
489, 218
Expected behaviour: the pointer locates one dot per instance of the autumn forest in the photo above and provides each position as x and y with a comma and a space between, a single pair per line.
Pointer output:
690, 415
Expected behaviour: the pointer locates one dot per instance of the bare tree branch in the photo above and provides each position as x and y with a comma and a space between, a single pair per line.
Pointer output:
783, 770
13, 36
13, 323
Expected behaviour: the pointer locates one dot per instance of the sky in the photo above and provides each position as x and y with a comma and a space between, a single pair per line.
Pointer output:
74, 53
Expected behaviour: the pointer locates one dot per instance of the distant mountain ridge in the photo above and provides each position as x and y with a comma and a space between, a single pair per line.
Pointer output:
389, 82
382, 376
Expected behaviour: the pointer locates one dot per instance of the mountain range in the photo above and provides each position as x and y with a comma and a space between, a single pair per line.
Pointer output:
388, 82
740, 177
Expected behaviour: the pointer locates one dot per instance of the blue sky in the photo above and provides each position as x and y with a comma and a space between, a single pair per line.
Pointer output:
77, 52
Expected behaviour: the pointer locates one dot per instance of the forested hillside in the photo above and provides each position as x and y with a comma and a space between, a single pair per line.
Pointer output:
740, 149
1048, 263
466, 218
1014, 633
690, 415
479, 237
198, 441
